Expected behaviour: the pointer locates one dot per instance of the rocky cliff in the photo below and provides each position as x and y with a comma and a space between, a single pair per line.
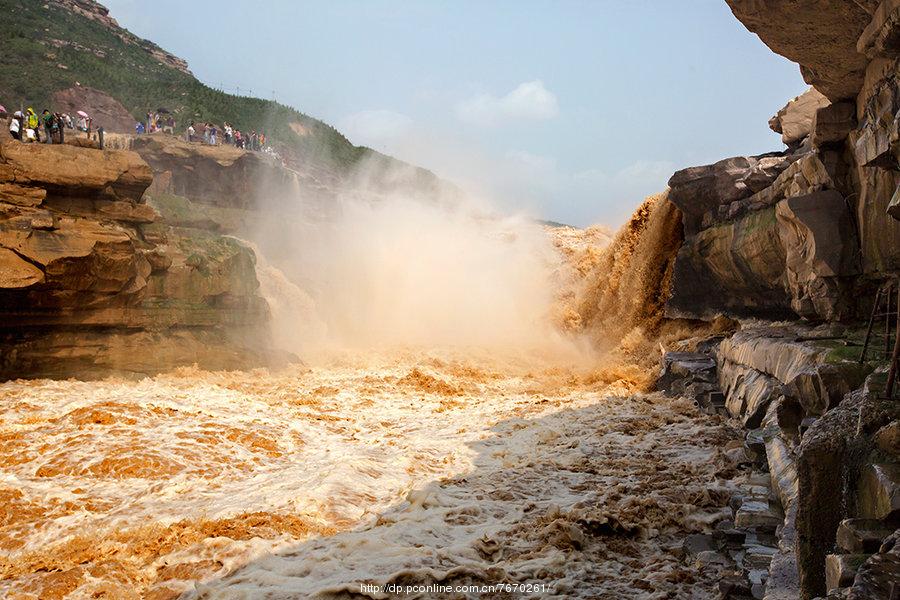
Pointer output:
94, 282
806, 234
801, 232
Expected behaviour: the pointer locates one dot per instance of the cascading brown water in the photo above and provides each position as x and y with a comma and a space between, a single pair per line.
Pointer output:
453, 423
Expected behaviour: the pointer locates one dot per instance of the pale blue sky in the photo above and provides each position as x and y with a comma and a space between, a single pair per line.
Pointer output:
574, 110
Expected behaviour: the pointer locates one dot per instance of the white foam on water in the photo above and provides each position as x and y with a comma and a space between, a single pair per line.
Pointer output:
438, 466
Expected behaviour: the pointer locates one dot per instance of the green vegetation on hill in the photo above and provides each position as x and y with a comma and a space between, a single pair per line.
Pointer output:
37, 37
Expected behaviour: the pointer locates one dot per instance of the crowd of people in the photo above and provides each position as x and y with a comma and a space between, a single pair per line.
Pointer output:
161, 120
51, 127
48, 127
209, 133
205, 132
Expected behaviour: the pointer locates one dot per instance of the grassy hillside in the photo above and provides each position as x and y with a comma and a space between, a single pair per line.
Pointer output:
37, 37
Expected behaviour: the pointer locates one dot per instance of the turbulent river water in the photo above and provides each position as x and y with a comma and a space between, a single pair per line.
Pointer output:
412, 468
459, 464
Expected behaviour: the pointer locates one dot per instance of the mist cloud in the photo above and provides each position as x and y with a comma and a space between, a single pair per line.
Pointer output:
373, 127
529, 101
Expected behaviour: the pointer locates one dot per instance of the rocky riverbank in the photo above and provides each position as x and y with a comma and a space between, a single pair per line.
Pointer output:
793, 244
823, 446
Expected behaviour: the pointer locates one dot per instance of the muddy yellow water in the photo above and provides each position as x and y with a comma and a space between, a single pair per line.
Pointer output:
403, 467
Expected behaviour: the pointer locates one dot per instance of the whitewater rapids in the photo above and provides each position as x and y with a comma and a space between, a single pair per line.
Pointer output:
410, 468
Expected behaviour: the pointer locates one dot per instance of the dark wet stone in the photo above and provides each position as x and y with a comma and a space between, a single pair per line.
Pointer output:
861, 536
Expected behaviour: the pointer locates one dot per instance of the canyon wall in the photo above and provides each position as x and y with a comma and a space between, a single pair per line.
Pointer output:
94, 281
803, 232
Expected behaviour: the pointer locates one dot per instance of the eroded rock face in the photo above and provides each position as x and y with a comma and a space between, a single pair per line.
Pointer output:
820, 244
795, 258
698, 190
795, 121
737, 268
833, 123
820, 35
850, 52
85, 265
877, 576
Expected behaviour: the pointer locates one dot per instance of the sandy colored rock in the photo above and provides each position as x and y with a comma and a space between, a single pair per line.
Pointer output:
819, 35
881, 37
128, 211
832, 123
821, 247
795, 120
879, 491
122, 175
81, 281
840, 569
21, 195
16, 272
736, 268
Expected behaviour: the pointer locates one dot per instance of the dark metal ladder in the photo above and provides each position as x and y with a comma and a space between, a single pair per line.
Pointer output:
885, 308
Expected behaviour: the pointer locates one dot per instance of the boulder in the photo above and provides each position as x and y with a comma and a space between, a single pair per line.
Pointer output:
698, 190
877, 578
819, 35
861, 536
878, 491
759, 515
840, 569
832, 123
685, 365
820, 239
795, 120
69, 170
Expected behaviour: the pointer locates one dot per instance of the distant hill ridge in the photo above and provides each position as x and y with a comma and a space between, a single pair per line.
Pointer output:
61, 52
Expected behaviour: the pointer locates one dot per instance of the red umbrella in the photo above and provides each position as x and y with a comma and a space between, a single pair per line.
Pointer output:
81, 113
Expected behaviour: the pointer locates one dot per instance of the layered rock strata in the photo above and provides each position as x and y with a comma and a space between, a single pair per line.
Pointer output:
826, 446
806, 231
92, 283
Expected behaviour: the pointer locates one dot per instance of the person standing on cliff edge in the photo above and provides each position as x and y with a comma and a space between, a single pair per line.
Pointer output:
15, 126
47, 120
31, 122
